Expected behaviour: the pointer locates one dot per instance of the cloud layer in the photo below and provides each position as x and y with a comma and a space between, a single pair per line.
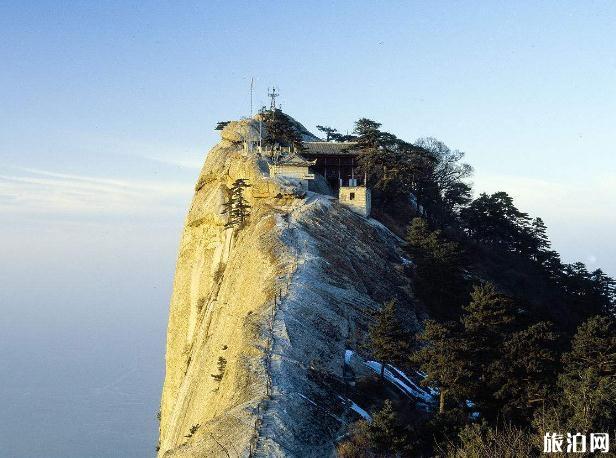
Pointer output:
34, 192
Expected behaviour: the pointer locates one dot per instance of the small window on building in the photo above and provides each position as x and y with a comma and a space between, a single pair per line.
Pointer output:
351, 195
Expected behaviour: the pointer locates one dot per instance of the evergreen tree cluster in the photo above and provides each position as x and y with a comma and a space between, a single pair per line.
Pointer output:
394, 167
495, 220
281, 129
434, 174
388, 340
428, 169
586, 394
384, 435
519, 344
236, 207
503, 380
438, 273
331, 134
490, 357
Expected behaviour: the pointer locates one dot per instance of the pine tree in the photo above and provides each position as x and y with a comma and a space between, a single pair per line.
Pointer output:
443, 357
588, 292
539, 232
427, 246
281, 130
220, 125
438, 267
383, 436
377, 157
368, 134
489, 314
386, 433
393, 166
588, 381
330, 132
524, 375
236, 208
387, 340
222, 365
494, 219
488, 322
604, 290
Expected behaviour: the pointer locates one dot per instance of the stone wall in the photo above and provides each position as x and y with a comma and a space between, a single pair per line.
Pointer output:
357, 198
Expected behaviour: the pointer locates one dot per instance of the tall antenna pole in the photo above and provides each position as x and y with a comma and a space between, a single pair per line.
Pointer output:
252, 88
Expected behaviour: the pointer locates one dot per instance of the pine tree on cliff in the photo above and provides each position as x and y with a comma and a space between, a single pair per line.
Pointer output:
588, 382
384, 436
523, 377
489, 321
489, 315
443, 357
222, 365
330, 133
281, 130
220, 125
237, 208
438, 267
393, 166
386, 432
387, 340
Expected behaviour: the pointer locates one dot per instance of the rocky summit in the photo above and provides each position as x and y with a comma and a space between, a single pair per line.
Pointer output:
266, 318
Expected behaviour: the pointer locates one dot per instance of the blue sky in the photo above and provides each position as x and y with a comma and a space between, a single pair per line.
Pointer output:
108, 107
107, 110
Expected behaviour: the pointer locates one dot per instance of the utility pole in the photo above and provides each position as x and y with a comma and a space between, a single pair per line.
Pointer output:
261, 129
252, 88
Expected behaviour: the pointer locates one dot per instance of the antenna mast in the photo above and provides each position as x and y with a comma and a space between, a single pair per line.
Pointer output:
272, 95
252, 88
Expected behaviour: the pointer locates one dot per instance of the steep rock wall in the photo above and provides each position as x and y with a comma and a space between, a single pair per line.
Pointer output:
279, 300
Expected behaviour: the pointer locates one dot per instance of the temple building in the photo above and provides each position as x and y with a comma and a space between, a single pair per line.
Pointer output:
336, 161
293, 166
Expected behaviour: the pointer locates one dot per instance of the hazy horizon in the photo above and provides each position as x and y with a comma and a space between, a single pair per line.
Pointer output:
108, 111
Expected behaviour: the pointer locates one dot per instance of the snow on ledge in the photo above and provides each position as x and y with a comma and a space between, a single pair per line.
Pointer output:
353, 406
398, 378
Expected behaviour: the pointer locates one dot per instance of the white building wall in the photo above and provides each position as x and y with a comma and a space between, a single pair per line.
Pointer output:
357, 198
296, 172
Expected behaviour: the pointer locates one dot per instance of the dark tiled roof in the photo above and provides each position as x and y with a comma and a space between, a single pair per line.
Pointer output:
330, 148
294, 159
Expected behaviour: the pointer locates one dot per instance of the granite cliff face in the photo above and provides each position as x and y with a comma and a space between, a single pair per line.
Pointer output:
260, 318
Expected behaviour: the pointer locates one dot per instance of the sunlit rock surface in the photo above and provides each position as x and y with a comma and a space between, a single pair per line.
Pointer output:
280, 301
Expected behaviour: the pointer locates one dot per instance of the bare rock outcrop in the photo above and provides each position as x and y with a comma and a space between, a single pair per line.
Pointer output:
260, 317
